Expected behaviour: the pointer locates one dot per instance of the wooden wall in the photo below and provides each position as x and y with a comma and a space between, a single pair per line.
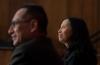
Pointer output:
57, 10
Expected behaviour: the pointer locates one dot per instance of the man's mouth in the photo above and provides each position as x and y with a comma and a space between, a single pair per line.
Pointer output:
13, 37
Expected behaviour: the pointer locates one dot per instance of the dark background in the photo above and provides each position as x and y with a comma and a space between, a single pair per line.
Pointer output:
57, 10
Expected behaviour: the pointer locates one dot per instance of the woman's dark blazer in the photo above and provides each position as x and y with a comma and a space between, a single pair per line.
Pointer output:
80, 54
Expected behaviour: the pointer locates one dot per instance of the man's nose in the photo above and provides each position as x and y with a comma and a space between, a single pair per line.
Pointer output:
59, 30
10, 30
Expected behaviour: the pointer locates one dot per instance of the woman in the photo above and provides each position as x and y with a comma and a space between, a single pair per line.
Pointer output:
73, 33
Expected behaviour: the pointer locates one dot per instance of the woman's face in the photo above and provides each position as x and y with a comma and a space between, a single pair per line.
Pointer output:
65, 31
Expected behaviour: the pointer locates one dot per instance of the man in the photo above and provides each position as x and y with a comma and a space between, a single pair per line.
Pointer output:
28, 32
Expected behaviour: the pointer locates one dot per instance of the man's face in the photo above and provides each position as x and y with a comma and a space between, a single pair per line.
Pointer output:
64, 32
20, 27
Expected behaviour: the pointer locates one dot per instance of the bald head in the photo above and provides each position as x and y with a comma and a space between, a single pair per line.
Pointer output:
21, 15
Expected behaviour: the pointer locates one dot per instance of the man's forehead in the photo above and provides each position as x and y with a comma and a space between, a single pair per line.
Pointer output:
20, 14
66, 22
21, 11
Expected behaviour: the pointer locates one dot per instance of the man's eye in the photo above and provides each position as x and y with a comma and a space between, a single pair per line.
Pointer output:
13, 24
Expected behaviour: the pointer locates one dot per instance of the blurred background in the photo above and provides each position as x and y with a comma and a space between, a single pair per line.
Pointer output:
56, 10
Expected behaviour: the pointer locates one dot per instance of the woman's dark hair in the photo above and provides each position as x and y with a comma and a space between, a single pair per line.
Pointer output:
79, 30
80, 39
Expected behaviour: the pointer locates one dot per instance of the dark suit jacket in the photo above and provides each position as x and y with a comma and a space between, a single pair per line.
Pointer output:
80, 54
38, 51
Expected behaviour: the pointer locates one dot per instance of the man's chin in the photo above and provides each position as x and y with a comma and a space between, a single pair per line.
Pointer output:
15, 43
60, 40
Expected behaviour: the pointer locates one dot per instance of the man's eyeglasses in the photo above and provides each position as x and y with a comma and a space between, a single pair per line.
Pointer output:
13, 24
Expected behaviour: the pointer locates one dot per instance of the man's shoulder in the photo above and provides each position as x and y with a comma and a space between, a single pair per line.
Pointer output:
35, 43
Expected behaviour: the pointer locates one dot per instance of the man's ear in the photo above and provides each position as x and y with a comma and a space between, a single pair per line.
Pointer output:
34, 25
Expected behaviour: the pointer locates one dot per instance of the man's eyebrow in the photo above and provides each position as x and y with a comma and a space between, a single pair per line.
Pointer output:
13, 22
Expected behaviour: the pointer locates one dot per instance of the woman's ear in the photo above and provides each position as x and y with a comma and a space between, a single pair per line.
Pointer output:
34, 25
